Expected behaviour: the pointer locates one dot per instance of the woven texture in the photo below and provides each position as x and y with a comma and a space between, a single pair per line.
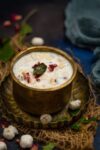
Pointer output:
68, 139
63, 118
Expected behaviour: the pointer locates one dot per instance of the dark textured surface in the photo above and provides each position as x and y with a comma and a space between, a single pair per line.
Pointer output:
47, 23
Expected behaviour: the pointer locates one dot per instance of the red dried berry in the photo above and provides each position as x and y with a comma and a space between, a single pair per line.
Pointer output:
52, 67
16, 17
7, 23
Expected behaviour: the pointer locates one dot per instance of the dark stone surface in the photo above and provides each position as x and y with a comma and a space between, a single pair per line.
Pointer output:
47, 23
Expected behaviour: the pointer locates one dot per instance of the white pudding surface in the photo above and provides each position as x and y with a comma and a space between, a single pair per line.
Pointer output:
51, 78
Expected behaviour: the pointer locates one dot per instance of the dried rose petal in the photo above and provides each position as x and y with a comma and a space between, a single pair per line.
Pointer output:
7, 23
17, 27
52, 67
27, 77
16, 17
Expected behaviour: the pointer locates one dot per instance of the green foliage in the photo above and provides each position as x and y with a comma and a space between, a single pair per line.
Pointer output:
6, 51
25, 29
74, 112
49, 146
86, 121
39, 69
76, 126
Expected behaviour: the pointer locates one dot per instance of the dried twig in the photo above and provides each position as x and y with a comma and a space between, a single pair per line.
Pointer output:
29, 15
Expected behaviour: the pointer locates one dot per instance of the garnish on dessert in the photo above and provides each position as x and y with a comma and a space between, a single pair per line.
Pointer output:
52, 67
39, 69
26, 76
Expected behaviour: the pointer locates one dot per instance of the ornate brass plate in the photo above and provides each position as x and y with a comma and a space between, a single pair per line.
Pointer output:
80, 90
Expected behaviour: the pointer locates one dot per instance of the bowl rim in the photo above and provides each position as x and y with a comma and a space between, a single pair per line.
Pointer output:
46, 49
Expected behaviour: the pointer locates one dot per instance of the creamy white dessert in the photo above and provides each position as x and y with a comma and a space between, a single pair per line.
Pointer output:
43, 70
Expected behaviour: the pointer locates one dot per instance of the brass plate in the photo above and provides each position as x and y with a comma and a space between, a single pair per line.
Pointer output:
80, 90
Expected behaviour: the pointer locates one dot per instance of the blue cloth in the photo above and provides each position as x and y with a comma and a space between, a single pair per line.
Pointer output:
86, 59
96, 67
85, 56
82, 22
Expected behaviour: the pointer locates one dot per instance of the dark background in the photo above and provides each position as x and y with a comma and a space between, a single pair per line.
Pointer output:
48, 23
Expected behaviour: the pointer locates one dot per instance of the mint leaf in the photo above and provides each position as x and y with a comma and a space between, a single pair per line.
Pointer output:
6, 51
25, 29
39, 69
49, 146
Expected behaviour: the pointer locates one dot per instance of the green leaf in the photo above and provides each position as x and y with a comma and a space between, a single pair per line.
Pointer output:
49, 146
39, 69
76, 126
6, 51
86, 121
25, 29
74, 112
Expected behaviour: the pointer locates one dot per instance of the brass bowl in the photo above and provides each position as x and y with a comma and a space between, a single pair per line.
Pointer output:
42, 101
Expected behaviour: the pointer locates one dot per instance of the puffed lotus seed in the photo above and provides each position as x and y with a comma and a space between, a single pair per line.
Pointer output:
73, 105
45, 119
26, 141
8, 133
13, 129
37, 41
3, 145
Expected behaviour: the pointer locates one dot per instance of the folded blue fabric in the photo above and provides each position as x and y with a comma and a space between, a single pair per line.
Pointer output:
96, 67
83, 22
